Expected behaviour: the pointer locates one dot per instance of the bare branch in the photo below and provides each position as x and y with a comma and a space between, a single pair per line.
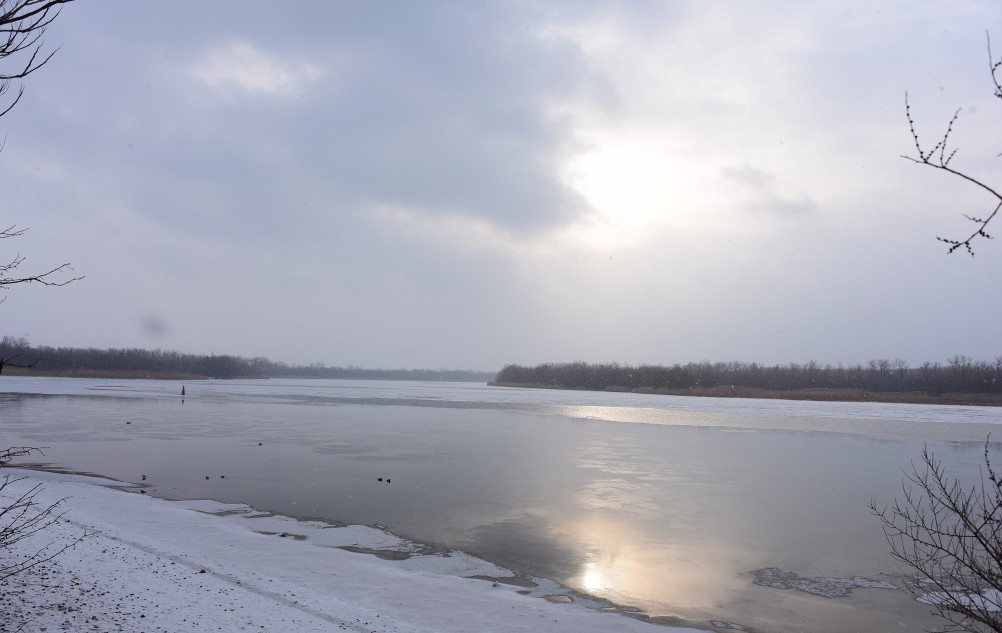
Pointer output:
11, 231
23, 517
47, 278
22, 25
18, 451
979, 232
951, 537
940, 155
11, 349
993, 67
40, 278
11, 361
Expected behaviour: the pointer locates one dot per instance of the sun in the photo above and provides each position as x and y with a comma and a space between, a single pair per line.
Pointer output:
630, 186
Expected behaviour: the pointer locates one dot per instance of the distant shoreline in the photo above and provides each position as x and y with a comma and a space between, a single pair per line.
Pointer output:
811, 394
814, 394
121, 374
142, 374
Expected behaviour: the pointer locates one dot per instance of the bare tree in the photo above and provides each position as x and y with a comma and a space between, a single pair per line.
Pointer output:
951, 537
23, 517
940, 155
22, 25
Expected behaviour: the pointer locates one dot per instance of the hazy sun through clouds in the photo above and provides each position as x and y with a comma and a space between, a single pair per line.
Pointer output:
632, 182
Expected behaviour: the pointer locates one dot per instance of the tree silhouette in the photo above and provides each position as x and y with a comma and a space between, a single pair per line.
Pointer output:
8, 276
950, 535
22, 517
940, 155
22, 25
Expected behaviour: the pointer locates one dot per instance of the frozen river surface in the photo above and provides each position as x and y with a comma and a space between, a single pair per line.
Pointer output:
671, 505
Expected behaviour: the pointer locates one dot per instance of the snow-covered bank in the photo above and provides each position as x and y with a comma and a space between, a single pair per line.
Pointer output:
155, 565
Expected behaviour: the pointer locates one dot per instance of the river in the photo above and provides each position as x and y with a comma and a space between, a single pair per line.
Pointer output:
660, 503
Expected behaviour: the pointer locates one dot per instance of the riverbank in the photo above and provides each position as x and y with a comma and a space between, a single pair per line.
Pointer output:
150, 564
111, 374
817, 394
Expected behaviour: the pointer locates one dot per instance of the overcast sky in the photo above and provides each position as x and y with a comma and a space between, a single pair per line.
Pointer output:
470, 184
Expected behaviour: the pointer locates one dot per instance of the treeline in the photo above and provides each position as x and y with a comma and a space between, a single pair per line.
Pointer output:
17, 352
960, 374
317, 370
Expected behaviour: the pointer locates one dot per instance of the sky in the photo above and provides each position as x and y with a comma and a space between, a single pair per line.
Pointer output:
465, 185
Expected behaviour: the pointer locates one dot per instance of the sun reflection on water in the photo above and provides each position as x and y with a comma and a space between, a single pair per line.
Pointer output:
626, 567
592, 578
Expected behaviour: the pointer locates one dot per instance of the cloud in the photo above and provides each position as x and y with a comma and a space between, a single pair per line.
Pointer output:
242, 66
459, 184
444, 111
763, 193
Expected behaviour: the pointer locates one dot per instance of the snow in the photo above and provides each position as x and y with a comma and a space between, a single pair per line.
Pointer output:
153, 565
988, 600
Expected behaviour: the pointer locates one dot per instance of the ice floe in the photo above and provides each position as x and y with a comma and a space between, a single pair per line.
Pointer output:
823, 586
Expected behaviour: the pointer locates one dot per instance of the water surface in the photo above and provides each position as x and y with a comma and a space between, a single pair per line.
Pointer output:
658, 502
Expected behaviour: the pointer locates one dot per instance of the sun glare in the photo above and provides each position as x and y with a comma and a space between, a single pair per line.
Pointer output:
592, 579
631, 187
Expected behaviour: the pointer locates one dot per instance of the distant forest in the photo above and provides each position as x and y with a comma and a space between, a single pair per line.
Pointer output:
960, 375
17, 353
